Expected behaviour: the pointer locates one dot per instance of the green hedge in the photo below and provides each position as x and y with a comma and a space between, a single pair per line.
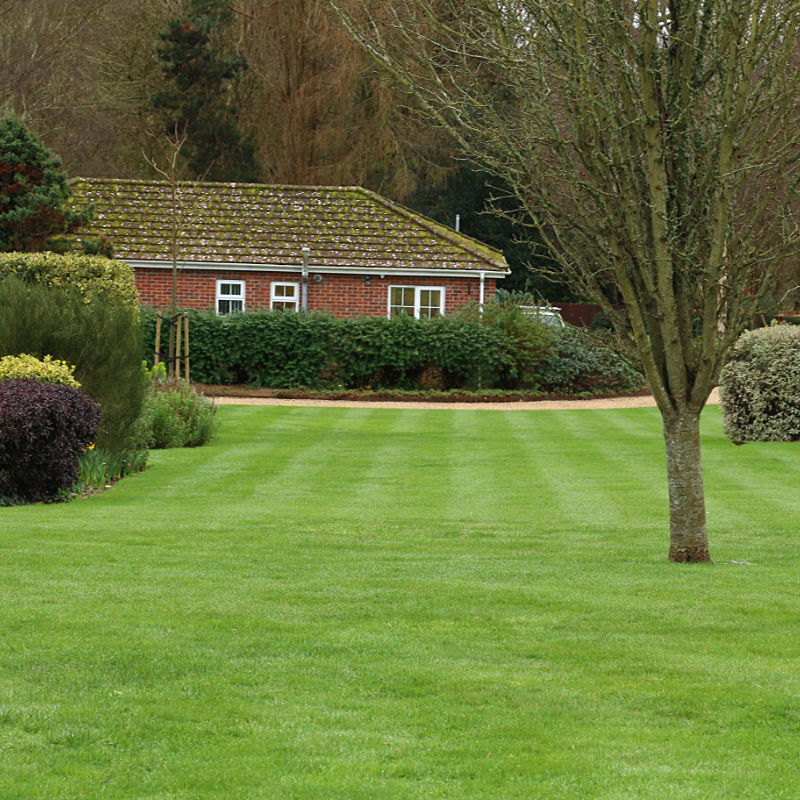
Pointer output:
94, 277
280, 350
502, 349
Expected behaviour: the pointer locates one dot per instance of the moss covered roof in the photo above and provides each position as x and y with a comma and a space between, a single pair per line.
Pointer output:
258, 224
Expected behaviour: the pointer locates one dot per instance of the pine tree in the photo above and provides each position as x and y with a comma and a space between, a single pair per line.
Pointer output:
195, 100
33, 193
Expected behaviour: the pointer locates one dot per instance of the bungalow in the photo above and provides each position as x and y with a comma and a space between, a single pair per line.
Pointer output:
344, 250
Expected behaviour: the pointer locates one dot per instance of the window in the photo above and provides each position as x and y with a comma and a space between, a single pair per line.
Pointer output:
284, 296
230, 296
422, 302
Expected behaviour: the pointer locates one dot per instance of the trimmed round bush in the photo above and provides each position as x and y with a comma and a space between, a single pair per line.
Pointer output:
44, 428
46, 370
760, 386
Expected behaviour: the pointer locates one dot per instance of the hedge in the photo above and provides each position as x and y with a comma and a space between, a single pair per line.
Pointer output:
283, 350
503, 348
94, 277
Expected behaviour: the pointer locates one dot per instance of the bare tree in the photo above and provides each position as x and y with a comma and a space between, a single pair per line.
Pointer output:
317, 106
654, 145
73, 71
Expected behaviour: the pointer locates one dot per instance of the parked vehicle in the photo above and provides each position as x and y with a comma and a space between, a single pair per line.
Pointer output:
549, 315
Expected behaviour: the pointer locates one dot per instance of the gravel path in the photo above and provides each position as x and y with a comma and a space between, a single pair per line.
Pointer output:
539, 405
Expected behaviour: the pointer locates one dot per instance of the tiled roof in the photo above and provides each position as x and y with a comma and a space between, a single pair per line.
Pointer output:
258, 224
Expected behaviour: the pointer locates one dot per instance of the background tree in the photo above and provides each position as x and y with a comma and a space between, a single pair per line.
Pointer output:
33, 192
488, 212
653, 144
198, 96
320, 111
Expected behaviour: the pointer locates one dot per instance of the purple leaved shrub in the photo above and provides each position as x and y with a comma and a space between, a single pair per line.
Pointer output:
44, 427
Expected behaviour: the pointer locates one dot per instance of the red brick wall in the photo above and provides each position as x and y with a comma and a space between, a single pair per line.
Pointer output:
340, 295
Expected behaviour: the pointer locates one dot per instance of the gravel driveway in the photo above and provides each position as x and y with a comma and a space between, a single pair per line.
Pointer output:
538, 405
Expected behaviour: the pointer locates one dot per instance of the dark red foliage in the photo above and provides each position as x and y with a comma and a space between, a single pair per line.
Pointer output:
43, 429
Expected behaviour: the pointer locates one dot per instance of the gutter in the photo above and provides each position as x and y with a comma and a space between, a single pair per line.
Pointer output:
383, 272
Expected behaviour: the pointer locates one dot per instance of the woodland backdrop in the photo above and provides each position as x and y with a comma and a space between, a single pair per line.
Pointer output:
262, 90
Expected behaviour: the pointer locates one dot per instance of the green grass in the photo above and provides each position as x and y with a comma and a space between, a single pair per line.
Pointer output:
335, 603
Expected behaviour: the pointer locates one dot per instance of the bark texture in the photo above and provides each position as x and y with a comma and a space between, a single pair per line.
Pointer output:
687, 511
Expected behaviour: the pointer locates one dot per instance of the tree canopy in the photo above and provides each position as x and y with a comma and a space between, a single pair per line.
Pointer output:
197, 96
654, 147
33, 192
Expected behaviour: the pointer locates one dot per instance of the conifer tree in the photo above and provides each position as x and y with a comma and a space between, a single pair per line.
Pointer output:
33, 193
196, 97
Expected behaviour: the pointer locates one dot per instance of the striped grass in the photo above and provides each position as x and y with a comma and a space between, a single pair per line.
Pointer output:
338, 603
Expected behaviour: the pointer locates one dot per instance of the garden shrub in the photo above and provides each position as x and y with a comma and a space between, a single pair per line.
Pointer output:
502, 348
175, 415
93, 277
44, 427
579, 364
760, 386
279, 350
47, 370
101, 338
522, 343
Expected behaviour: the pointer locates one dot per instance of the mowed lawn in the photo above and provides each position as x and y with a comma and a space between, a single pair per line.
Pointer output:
337, 603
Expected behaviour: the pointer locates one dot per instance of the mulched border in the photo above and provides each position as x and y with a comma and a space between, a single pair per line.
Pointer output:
453, 396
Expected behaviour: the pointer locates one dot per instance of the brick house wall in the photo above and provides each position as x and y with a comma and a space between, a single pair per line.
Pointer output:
340, 295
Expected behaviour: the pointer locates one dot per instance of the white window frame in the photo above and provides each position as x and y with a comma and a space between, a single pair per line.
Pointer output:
220, 296
417, 292
283, 300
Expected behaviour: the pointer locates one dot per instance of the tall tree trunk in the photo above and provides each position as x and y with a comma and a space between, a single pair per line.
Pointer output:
687, 507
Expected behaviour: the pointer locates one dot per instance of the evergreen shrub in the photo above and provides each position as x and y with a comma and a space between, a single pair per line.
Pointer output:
279, 350
94, 277
579, 364
523, 344
44, 427
175, 415
100, 337
47, 370
33, 192
760, 386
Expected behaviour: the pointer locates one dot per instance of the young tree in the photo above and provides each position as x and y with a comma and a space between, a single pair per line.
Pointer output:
33, 192
654, 144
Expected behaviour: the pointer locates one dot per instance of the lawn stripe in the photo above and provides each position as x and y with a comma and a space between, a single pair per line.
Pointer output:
330, 603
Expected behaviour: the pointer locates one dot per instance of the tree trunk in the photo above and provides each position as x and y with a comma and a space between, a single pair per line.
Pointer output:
687, 507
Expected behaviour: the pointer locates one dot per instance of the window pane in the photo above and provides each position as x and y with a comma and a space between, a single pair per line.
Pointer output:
285, 290
401, 301
430, 303
231, 289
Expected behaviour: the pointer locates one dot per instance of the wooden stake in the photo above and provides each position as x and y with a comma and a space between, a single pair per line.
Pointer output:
186, 345
158, 340
176, 321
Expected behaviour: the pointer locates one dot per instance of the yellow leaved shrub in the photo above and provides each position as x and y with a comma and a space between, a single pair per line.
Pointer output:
45, 370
